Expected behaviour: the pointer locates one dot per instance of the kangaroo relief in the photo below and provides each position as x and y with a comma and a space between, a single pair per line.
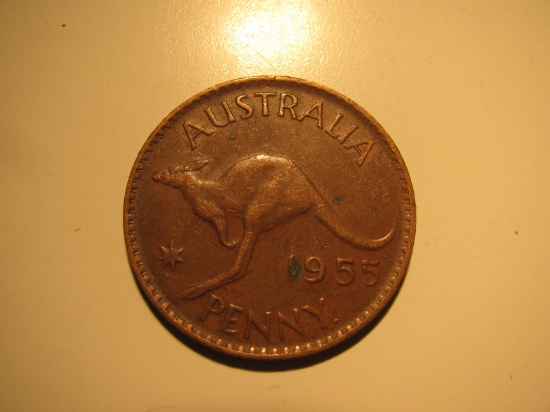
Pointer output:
272, 191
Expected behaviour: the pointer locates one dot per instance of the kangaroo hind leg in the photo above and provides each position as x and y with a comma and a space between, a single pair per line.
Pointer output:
235, 271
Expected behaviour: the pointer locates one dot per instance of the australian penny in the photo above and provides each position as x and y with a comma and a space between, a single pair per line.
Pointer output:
269, 218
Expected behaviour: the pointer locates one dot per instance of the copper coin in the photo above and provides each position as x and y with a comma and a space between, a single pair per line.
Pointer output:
269, 218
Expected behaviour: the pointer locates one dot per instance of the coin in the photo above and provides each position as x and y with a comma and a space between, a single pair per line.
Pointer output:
269, 218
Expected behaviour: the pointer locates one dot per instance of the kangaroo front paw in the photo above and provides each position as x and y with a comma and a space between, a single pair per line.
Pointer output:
230, 245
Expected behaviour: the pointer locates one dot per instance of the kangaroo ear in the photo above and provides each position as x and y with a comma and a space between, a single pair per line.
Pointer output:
196, 165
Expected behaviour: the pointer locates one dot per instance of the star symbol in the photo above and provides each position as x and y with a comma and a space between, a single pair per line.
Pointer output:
170, 255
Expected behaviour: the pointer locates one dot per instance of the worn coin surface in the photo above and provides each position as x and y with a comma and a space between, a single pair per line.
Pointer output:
269, 218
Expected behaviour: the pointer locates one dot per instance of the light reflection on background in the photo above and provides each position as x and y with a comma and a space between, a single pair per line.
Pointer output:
273, 34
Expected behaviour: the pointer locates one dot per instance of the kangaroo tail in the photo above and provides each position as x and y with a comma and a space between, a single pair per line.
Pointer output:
334, 222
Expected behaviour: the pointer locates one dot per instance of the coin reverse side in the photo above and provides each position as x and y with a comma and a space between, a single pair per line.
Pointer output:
269, 218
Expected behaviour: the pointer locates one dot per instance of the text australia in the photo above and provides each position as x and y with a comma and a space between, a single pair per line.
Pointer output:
280, 104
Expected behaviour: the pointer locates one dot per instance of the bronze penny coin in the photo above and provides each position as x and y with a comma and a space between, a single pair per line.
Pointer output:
269, 218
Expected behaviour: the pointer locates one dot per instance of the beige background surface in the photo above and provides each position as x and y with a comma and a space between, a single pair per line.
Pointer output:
462, 87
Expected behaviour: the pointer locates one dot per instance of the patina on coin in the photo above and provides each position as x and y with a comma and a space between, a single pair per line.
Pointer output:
269, 218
